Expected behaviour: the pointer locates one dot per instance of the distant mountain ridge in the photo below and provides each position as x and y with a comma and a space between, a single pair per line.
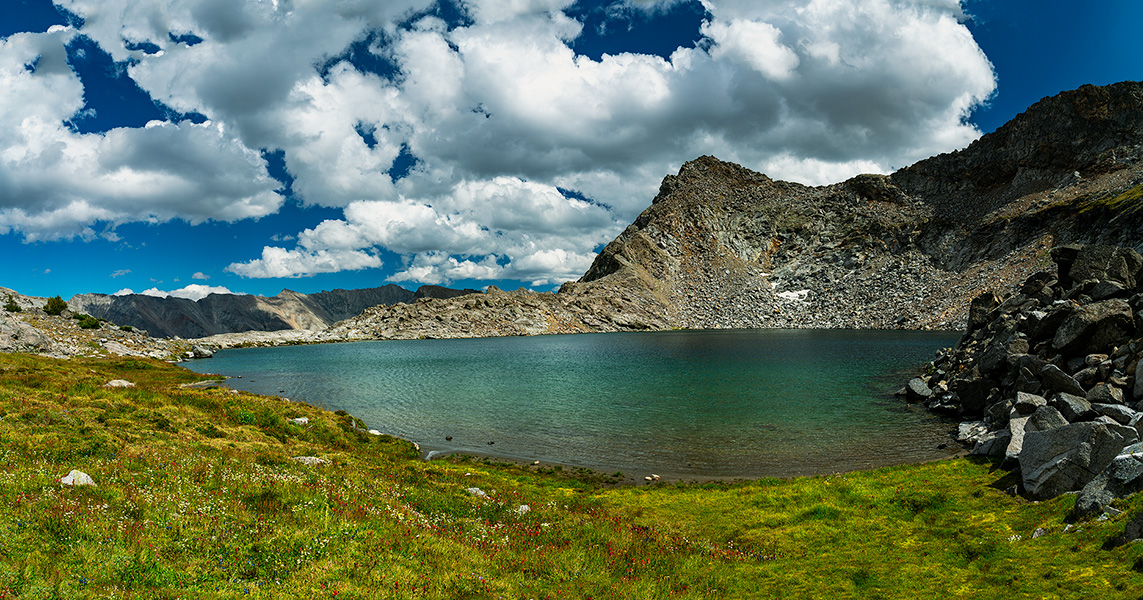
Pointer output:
236, 313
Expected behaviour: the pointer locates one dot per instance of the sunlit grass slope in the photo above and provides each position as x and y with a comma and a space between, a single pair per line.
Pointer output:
198, 496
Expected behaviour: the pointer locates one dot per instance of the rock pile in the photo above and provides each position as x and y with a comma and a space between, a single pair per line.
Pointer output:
1051, 377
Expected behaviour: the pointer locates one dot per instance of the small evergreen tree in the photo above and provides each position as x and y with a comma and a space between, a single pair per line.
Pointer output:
11, 305
55, 306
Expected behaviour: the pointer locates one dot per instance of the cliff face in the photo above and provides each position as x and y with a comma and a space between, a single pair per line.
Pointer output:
231, 313
724, 246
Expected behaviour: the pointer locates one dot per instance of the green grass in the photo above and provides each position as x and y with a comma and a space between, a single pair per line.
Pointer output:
1126, 203
198, 497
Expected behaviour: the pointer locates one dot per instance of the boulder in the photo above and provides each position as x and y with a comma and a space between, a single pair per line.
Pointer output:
1072, 407
1067, 458
993, 443
944, 403
1027, 404
1095, 327
200, 352
119, 383
76, 477
1119, 413
1133, 531
974, 394
312, 461
1124, 476
917, 390
1045, 418
1016, 431
997, 413
1058, 381
971, 431
1105, 393
980, 308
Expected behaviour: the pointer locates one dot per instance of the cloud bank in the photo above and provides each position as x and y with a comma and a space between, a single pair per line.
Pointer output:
475, 144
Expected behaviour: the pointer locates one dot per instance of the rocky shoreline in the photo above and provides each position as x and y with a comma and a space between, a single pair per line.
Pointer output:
1049, 379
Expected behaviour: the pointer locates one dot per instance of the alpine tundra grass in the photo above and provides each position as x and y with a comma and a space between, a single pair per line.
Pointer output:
198, 495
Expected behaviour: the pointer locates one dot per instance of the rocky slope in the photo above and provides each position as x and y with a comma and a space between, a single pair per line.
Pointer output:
226, 313
30, 329
1051, 377
722, 246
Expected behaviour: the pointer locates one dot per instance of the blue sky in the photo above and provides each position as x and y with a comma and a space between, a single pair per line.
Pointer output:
194, 145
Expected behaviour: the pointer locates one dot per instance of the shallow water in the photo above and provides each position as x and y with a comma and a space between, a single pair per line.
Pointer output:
689, 404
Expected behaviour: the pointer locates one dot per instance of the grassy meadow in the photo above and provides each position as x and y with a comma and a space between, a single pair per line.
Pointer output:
197, 496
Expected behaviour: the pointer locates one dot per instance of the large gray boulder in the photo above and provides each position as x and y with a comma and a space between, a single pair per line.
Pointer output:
1073, 408
1124, 476
1056, 380
1095, 327
1066, 458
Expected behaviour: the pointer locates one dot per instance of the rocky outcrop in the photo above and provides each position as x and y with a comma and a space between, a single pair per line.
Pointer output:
576, 309
1048, 377
228, 313
34, 331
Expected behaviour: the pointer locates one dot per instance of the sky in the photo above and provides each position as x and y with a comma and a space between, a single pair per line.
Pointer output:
193, 146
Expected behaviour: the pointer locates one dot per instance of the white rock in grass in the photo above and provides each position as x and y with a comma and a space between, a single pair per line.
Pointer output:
310, 460
475, 491
523, 509
119, 383
300, 421
76, 477
374, 432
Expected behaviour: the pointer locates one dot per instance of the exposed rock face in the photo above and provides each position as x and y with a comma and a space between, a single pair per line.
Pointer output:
227, 313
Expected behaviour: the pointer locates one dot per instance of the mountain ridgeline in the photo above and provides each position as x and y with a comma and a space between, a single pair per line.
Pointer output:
233, 313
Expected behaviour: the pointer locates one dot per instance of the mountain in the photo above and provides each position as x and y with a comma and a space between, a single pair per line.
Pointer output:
231, 313
722, 246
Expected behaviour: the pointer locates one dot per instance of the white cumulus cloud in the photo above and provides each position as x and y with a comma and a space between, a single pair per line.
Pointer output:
499, 112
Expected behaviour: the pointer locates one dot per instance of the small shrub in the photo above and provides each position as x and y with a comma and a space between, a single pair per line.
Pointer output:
89, 322
11, 305
126, 328
55, 306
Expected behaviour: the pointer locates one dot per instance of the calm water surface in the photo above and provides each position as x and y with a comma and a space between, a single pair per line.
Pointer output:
690, 404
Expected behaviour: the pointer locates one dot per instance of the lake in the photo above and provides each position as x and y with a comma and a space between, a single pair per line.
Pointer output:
712, 404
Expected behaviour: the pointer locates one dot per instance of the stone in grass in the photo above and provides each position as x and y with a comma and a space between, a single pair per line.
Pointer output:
300, 421
312, 461
119, 383
77, 477
475, 491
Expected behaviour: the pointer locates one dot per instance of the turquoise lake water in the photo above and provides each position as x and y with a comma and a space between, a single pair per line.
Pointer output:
688, 404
